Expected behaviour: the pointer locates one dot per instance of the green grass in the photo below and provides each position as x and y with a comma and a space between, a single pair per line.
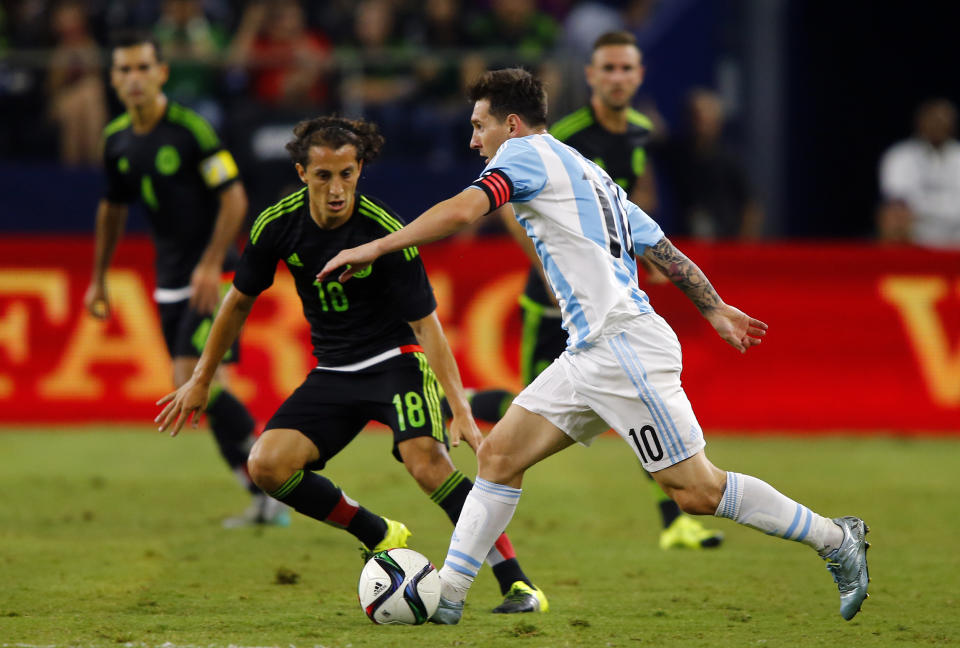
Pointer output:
111, 537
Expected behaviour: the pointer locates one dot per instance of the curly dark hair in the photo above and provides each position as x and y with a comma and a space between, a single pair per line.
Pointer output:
512, 91
335, 132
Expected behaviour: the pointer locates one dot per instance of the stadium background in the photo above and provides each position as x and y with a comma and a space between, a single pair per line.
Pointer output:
110, 534
864, 338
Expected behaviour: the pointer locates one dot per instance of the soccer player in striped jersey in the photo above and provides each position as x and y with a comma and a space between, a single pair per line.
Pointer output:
621, 368
170, 159
381, 354
613, 135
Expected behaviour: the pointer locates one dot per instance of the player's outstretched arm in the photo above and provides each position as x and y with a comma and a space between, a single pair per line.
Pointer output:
205, 280
111, 219
190, 400
430, 335
440, 221
738, 329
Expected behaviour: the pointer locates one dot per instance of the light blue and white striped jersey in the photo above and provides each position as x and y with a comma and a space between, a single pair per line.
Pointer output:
584, 228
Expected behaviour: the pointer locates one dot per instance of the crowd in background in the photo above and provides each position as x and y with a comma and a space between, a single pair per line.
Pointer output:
254, 67
401, 63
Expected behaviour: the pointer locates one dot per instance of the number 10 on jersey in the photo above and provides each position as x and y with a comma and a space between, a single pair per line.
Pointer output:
647, 443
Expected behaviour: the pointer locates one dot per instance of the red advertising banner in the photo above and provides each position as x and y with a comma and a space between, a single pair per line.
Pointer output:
861, 338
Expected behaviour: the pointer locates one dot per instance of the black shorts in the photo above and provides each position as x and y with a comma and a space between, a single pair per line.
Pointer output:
332, 407
543, 339
186, 331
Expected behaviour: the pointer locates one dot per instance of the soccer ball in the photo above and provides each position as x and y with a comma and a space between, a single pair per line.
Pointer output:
399, 586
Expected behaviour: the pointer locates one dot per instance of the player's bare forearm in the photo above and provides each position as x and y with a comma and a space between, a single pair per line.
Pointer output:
644, 191
440, 221
430, 335
226, 327
735, 327
230, 218
189, 401
684, 274
111, 220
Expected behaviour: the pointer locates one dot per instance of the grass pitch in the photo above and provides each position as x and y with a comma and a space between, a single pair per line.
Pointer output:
112, 537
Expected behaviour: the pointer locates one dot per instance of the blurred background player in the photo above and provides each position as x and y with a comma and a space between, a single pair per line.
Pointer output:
920, 181
612, 134
707, 184
170, 159
379, 345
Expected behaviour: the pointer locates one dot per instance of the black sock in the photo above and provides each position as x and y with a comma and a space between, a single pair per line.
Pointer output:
232, 427
317, 497
451, 496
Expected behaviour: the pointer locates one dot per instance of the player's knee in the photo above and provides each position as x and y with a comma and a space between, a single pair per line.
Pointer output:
494, 465
267, 468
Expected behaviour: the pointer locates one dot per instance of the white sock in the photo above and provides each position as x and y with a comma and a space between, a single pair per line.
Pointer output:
485, 515
756, 504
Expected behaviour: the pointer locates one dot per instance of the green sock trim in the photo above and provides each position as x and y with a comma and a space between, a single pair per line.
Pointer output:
444, 489
288, 485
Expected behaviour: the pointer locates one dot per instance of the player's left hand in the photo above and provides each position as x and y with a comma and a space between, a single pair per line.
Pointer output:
737, 328
355, 260
205, 282
182, 405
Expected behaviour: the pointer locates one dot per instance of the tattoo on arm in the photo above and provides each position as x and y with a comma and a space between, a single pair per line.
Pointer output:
684, 273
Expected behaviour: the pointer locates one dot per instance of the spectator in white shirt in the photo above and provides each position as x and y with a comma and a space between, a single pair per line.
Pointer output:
920, 182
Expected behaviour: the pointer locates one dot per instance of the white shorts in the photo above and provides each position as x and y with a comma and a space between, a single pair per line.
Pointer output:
628, 381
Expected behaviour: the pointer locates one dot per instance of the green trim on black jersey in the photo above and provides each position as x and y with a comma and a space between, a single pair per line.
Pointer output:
431, 393
292, 202
120, 123
197, 125
573, 123
386, 220
639, 119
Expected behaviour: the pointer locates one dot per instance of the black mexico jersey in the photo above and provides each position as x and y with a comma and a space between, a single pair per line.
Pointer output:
350, 321
177, 171
621, 155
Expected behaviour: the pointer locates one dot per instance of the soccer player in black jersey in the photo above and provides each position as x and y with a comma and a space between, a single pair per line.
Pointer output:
381, 353
613, 134
171, 160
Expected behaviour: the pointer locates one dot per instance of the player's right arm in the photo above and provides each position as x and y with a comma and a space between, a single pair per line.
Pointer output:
111, 220
440, 221
254, 275
191, 399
